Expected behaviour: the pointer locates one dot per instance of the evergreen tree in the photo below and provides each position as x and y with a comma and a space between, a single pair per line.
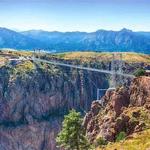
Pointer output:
139, 72
72, 135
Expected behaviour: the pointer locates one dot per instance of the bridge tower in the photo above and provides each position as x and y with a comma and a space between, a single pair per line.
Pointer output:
82, 82
121, 63
116, 67
113, 69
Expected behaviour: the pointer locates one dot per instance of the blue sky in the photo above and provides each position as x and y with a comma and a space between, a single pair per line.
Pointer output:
75, 15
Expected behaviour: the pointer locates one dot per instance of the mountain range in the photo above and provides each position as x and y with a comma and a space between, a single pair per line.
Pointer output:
101, 40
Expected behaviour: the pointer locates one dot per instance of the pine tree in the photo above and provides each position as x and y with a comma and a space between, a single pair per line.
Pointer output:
72, 135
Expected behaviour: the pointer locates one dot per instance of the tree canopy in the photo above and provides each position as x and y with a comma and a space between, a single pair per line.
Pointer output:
72, 135
139, 72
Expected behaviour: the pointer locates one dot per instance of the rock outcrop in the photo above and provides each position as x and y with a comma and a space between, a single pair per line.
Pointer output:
140, 92
125, 109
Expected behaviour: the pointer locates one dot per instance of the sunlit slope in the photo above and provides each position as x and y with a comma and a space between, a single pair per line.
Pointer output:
89, 56
14, 53
138, 141
84, 56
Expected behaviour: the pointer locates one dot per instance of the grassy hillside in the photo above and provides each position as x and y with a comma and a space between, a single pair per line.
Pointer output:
138, 141
83, 56
87, 56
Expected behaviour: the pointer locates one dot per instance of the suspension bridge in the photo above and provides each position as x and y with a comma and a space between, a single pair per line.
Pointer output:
116, 68
81, 67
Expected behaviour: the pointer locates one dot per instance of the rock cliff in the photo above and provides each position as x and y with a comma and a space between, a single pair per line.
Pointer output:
34, 98
126, 109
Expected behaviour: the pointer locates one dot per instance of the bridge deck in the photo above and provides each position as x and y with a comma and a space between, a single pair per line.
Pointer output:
76, 66
82, 68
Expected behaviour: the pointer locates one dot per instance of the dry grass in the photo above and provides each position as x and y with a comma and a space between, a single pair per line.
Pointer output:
14, 53
138, 141
85, 56
88, 56
2, 61
24, 67
134, 57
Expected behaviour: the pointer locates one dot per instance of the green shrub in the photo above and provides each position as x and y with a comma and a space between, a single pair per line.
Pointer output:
101, 141
120, 136
139, 72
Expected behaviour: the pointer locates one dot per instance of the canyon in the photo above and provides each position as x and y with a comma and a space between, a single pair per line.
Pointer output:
34, 97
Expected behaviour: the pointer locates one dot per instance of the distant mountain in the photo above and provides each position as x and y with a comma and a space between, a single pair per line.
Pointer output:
15, 40
57, 40
101, 40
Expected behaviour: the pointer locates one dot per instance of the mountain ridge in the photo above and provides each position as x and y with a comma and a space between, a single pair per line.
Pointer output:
100, 40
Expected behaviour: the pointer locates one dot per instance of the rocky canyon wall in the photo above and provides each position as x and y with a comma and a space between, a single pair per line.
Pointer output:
34, 100
34, 97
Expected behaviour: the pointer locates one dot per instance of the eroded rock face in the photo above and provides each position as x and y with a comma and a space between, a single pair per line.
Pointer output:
119, 110
32, 105
140, 91
39, 94
36, 136
119, 99
90, 123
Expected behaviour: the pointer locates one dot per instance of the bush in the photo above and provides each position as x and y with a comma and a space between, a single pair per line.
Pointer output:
120, 136
139, 72
101, 141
